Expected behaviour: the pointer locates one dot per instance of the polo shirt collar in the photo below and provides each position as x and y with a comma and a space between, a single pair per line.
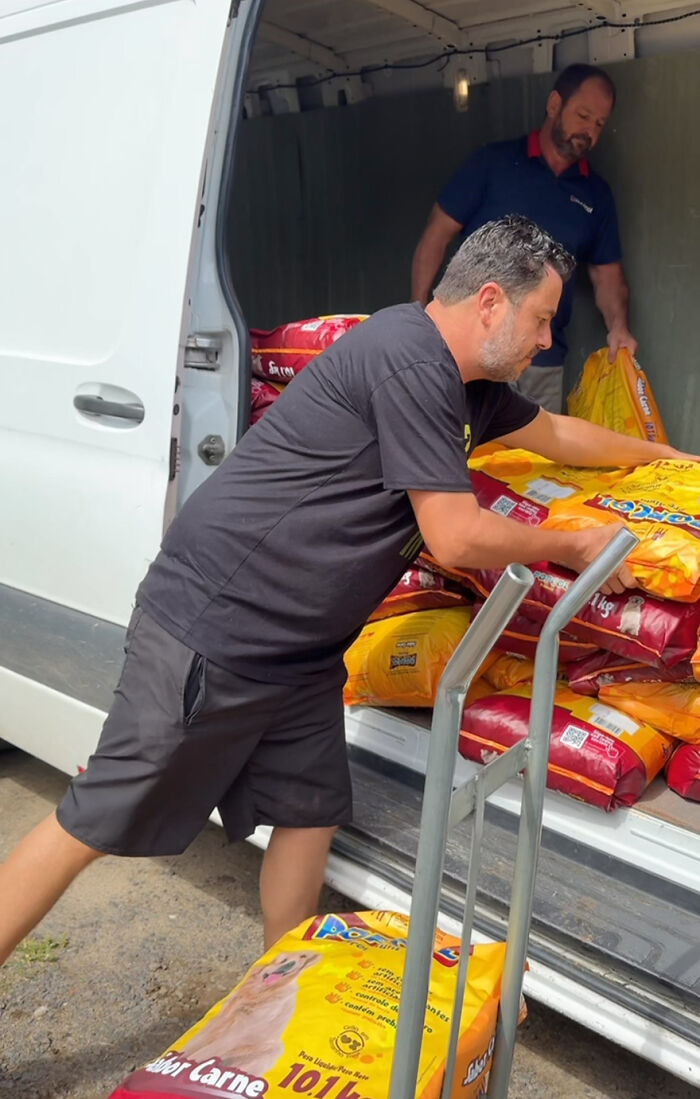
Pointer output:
534, 151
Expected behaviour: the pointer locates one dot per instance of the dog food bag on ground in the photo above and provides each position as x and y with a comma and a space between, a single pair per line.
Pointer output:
674, 708
262, 395
660, 503
419, 589
316, 1015
617, 395
603, 669
598, 754
634, 625
399, 661
524, 486
683, 771
280, 353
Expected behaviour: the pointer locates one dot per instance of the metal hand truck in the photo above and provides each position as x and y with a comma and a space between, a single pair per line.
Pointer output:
444, 808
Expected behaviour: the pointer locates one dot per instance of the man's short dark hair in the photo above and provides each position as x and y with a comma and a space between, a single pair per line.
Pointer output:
572, 77
513, 252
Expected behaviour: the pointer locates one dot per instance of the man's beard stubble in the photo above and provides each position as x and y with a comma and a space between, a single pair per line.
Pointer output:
564, 145
501, 358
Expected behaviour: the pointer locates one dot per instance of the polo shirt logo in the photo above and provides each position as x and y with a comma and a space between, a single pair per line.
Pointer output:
575, 198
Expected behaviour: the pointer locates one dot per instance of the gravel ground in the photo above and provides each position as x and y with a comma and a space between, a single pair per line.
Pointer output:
139, 949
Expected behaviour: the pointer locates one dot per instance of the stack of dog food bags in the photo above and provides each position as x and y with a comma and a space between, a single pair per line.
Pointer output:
630, 706
278, 354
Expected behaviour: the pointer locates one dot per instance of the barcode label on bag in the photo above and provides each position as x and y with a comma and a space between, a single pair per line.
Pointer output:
544, 491
574, 736
503, 506
612, 720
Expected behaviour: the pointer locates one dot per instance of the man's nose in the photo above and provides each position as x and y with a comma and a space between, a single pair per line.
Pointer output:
545, 337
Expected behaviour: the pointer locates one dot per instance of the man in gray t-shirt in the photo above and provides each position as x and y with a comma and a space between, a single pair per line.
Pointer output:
231, 692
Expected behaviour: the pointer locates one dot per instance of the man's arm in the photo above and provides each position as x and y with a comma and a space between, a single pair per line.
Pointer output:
612, 298
460, 534
570, 441
428, 257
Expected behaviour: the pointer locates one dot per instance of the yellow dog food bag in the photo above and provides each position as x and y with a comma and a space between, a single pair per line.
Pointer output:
660, 503
398, 661
524, 486
674, 708
317, 1015
617, 395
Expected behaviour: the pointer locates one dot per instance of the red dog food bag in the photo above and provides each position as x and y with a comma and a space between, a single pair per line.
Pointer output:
604, 669
683, 771
419, 589
521, 635
316, 1015
280, 353
635, 625
597, 753
262, 395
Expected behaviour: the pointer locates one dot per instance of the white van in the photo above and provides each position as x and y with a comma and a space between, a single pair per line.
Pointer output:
175, 172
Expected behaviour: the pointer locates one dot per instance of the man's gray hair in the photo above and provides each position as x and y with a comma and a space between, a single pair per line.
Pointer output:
513, 252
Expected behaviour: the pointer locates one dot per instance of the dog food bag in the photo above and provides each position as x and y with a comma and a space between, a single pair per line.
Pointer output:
603, 669
317, 1014
262, 395
617, 395
510, 670
633, 625
522, 634
419, 589
399, 661
660, 503
683, 771
672, 707
598, 754
280, 353
524, 486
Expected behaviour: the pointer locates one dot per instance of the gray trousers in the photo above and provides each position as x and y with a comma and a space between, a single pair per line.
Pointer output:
544, 385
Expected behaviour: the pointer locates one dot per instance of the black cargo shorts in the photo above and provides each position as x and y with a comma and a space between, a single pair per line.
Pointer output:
184, 736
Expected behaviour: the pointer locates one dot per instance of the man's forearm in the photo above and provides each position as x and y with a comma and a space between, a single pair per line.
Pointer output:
577, 442
427, 260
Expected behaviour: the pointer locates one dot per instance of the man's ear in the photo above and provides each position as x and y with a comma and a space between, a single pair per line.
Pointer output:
554, 105
489, 299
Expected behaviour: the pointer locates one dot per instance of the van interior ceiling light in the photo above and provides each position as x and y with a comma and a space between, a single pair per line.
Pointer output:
461, 90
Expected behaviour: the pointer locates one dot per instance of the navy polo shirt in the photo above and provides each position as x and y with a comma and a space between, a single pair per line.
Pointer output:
577, 208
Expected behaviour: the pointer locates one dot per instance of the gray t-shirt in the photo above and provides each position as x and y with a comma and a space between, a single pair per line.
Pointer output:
274, 564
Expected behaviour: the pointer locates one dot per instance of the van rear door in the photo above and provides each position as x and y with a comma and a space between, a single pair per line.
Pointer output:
106, 115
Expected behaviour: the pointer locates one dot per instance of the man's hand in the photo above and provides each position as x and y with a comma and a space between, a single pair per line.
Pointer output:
620, 337
587, 545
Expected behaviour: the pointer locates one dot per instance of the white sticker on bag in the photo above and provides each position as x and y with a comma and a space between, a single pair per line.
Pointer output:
544, 491
612, 720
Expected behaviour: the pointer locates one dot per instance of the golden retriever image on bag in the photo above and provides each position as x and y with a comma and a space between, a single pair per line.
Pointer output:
253, 1018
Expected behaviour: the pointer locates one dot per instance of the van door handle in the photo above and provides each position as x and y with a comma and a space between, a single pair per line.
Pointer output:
98, 406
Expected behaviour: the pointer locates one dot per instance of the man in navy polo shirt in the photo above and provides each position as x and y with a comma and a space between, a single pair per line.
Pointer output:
545, 177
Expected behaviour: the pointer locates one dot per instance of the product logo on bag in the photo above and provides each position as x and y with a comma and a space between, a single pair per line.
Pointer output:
351, 929
638, 513
350, 1042
406, 660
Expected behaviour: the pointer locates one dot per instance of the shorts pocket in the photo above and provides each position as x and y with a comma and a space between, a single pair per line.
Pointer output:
131, 628
195, 689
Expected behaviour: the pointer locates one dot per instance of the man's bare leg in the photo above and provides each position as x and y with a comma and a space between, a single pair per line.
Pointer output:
35, 875
291, 878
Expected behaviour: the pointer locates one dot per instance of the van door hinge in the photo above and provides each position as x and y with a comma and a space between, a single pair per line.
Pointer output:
202, 352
